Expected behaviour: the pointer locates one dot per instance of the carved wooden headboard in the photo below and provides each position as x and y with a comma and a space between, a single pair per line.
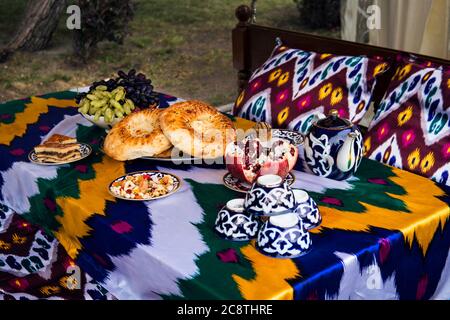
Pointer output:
253, 43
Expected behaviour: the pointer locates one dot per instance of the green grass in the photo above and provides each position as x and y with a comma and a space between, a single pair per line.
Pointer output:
184, 46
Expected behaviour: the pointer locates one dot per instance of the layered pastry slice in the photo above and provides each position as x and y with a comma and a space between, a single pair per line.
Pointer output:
59, 138
58, 148
57, 152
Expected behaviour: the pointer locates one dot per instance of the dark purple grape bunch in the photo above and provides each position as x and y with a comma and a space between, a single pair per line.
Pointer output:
111, 84
139, 89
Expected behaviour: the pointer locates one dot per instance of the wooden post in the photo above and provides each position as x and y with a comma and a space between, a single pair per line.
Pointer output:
240, 42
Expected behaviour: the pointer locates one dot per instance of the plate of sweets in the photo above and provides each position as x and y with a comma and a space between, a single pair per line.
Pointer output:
59, 149
144, 185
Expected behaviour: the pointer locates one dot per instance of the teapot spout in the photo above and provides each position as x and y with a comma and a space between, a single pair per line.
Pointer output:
348, 156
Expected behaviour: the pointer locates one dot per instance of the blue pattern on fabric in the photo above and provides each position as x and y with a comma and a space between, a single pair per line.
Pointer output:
130, 219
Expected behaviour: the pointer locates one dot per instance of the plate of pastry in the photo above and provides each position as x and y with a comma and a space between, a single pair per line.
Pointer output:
172, 154
59, 149
144, 185
187, 130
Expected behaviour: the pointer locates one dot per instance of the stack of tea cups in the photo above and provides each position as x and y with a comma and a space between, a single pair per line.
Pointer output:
277, 215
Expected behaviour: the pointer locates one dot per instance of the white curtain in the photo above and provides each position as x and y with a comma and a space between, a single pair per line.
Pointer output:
353, 20
420, 26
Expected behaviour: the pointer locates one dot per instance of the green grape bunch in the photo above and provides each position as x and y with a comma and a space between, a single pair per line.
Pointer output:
110, 105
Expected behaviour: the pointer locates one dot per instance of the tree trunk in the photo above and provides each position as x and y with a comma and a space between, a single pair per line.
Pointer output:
36, 29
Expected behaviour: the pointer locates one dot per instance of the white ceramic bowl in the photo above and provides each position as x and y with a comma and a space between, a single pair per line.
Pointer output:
101, 121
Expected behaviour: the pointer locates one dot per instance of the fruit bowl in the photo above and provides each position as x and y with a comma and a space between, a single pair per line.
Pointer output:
101, 121
113, 99
251, 158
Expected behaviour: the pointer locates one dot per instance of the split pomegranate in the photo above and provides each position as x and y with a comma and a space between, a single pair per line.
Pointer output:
250, 158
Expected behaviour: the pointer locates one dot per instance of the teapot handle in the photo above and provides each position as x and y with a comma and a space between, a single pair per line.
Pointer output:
347, 158
318, 116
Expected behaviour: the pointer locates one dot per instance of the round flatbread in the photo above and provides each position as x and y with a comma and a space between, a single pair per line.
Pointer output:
137, 135
197, 129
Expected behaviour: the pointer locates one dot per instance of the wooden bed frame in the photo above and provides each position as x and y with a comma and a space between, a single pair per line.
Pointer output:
252, 45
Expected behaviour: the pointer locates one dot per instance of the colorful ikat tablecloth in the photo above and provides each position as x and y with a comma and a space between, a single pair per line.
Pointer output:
385, 233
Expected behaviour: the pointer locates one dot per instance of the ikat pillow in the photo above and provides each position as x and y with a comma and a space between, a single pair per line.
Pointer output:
293, 85
411, 128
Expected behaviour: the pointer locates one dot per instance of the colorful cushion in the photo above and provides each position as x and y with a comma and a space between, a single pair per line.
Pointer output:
411, 128
293, 85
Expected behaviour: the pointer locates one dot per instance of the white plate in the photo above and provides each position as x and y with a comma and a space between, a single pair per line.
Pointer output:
235, 184
85, 151
181, 157
152, 173
294, 137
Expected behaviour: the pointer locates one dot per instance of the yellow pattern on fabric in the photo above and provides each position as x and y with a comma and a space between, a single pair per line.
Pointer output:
421, 195
271, 275
30, 115
93, 196
4, 245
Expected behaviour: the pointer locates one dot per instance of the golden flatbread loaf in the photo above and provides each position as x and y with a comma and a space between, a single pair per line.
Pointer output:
137, 135
197, 129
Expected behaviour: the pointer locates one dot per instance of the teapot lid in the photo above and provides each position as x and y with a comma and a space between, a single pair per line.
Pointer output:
333, 121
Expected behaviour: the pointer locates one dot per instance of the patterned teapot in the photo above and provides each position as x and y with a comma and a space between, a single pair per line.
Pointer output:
333, 147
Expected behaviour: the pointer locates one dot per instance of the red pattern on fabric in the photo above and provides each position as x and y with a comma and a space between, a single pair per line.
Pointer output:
411, 129
331, 82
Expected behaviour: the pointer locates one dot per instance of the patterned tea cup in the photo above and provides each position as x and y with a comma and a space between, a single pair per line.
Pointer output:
270, 195
307, 209
233, 223
284, 236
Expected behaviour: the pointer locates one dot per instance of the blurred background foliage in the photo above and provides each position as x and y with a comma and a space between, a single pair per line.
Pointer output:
319, 13
184, 46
